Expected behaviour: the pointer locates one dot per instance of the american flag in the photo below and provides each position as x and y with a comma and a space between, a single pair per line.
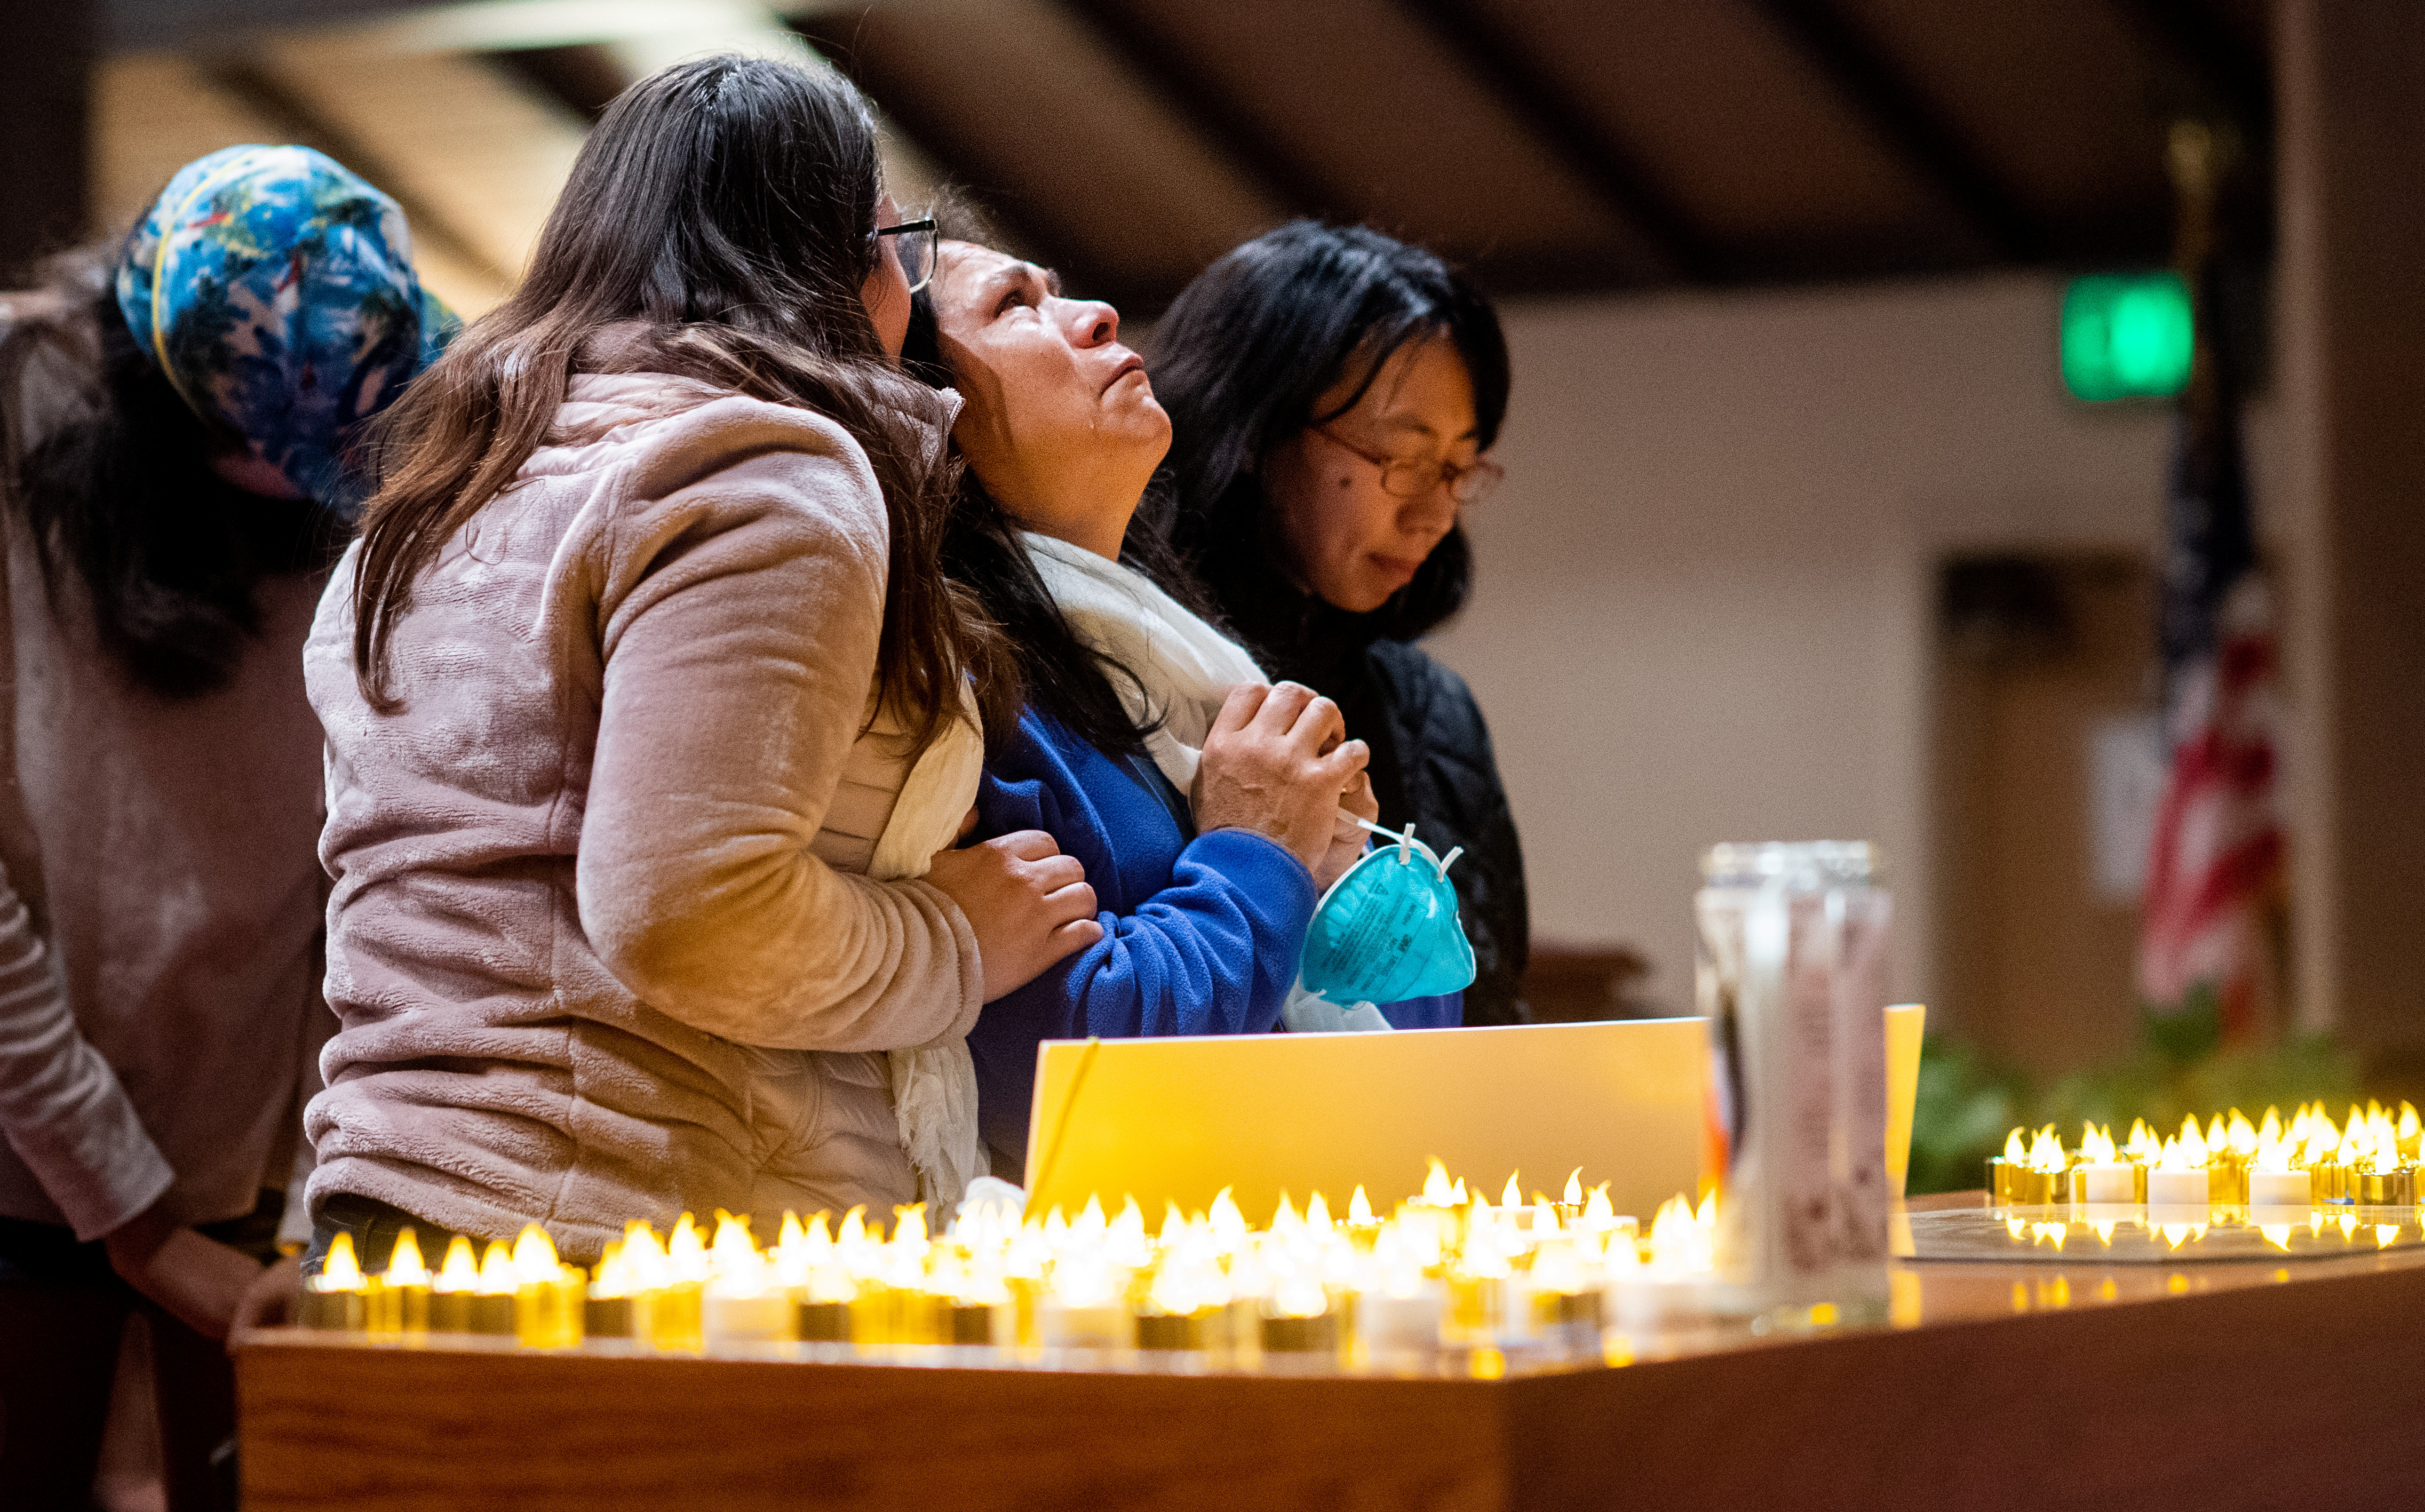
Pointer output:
2211, 929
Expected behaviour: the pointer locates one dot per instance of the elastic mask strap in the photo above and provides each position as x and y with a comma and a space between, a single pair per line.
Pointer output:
1408, 840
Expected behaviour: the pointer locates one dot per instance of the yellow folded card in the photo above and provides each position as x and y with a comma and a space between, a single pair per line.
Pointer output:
1179, 1118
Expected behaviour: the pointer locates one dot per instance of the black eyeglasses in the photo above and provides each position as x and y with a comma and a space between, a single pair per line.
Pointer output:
916, 243
1402, 478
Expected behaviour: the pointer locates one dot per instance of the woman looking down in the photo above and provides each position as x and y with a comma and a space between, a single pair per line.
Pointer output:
1333, 393
1206, 868
647, 708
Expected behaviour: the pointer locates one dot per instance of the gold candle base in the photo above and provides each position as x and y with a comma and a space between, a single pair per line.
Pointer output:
492, 1315
2384, 1189
672, 1317
970, 1323
550, 1314
450, 1312
1170, 1330
606, 1317
824, 1323
334, 1311
1567, 1311
1301, 1336
396, 1311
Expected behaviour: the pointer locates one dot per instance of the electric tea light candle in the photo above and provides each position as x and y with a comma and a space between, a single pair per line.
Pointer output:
1448, 1270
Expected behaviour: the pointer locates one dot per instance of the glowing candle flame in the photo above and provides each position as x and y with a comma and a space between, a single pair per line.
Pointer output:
2142, 1146
1437, 1190
1083, 1281
2240, 1135
644, 1259
2046, 1150
1456, 1195
1228, 1224
2272, 1153
460, 1270
1124, 1242
685, 1252
404, 1265
612, 1277
1285, 1220
2013, 1153
1173, 1226
1598, 1213
1317, 1213
1359, 1207
2096, 1144
497, 1270
1511, 1196
340, 1271
1574, 1194
534, 1257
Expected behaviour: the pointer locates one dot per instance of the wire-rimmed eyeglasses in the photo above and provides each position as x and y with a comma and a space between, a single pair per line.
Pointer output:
916, 243
1413, 477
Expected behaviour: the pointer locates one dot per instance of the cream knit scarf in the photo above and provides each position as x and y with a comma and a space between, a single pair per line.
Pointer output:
1187, 668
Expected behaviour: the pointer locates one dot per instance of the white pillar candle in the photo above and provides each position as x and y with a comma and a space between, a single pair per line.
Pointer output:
758, 1318
1397, 1323
1103, 1326
2279, 1189
2103, 1182
2177, 1196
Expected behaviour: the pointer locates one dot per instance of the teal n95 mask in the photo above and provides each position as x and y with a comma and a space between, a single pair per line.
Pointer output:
1387, 931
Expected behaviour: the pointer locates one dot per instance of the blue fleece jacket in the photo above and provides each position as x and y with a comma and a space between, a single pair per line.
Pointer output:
1200, 936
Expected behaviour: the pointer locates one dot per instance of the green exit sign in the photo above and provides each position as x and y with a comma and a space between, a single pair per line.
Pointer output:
2127, 336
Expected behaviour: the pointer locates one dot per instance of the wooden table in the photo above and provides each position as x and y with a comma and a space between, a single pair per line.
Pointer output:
2001, 1386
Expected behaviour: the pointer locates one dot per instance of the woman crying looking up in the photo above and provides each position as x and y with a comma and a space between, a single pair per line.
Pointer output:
1204, 803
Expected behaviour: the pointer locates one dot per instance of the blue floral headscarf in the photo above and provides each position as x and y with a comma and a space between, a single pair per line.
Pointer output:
276, 290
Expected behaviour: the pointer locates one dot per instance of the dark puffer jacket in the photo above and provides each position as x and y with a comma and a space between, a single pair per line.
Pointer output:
1432, 764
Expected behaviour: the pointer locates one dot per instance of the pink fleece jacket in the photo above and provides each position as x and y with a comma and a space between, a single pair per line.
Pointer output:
577, 870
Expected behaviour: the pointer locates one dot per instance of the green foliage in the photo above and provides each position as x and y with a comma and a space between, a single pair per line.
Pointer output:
1966, 1103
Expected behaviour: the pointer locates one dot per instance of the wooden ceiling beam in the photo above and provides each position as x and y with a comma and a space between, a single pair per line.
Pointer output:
1867, 81
1279, 174
1672, 246
837, 38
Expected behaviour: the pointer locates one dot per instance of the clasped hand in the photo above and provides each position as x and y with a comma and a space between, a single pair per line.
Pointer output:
1278, 763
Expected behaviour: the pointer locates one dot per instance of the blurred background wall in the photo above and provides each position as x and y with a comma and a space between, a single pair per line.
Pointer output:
1710, 599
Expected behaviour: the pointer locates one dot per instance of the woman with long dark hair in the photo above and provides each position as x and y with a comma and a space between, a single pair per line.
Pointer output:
174, 430
1333, 393
649, 719
1205, 803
